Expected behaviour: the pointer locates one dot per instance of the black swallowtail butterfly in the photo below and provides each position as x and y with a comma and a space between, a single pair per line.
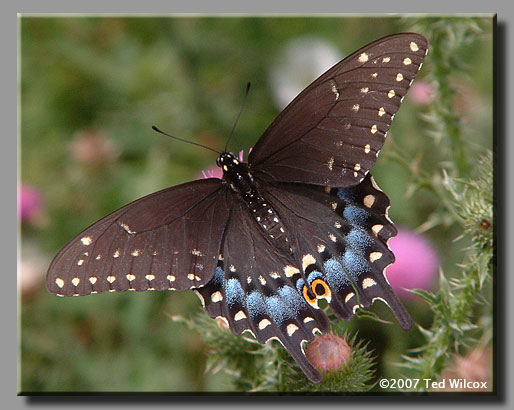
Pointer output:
302, 221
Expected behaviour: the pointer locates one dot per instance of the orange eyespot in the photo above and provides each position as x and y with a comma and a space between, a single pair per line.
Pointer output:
305, 292
320, 288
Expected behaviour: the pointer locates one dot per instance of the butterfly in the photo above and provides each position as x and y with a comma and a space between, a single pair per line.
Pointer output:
302, 221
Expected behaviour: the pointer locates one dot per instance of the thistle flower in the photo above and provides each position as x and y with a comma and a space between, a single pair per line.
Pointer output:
415, 266
421, 93
30, 204
302, 60
329, 352
475, 368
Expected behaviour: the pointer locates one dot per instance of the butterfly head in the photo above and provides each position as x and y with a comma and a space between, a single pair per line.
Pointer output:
227, 161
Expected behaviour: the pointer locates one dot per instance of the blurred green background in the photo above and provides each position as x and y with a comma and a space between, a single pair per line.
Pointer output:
90, 90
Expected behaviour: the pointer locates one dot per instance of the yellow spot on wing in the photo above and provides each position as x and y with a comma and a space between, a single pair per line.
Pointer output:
369, 200
368, 282
264, 323
363, 58
86, 240
75, 281
307, 260
290, 271
240, 315
373, 256
291, 328
376, 229
330, 163
217, 296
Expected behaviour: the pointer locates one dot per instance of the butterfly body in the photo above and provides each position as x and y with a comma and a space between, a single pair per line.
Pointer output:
302, 221
238, 176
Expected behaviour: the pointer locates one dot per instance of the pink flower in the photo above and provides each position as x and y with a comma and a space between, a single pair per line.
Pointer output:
416, 263
475, 368
216, 172
329, 352
421, 93
93, 147
30, 203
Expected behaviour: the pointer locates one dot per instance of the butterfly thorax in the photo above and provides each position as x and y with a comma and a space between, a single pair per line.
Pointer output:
239, 177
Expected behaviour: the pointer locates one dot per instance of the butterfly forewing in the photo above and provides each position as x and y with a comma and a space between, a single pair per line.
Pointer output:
167, 240
332, 132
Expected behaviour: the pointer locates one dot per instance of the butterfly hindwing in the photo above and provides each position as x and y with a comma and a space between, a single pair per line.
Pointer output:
340, 237
254, 289
166, 240
332, 132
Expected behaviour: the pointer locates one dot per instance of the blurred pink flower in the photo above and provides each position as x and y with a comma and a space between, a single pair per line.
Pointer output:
215, 171
328, 352
475, 368
93, 147
416, 263
30, 203
421, 93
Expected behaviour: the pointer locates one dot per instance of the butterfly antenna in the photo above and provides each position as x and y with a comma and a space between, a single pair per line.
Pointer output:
238, 115
183, 140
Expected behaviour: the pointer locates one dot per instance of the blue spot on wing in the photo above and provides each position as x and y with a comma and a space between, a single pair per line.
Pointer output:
276, 309
313, 276
359, 240
255, 304
335, 276
354, 264
234, 292
217, 278
299, 285
285, 306
355, 215
292, 297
